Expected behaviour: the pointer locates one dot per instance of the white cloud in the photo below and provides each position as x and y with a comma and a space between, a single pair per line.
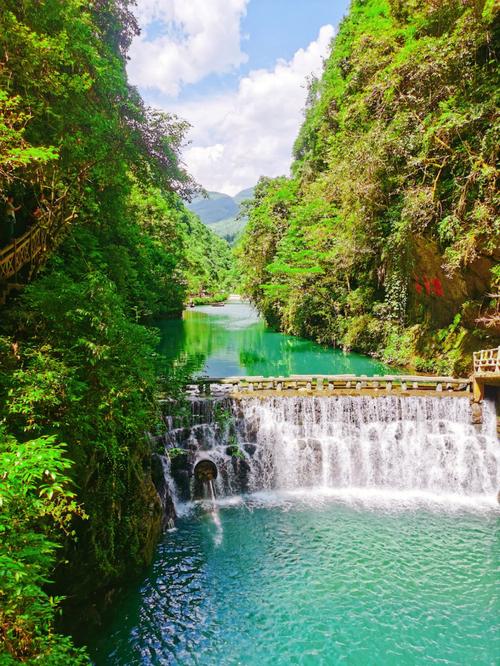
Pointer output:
239, 136
193, 38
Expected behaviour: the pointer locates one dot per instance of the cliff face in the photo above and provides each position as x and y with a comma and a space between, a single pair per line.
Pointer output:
437, 295
386, 237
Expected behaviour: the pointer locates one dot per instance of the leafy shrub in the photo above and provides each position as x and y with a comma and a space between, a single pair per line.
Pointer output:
37, 505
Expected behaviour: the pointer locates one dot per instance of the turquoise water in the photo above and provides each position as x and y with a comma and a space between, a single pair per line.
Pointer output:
309, 580
313, 577
232, 341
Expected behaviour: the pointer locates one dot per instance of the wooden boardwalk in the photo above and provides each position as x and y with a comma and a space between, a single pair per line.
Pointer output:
20, 259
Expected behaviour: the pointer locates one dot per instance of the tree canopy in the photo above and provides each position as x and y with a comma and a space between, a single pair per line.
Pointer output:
385, 238
79, 371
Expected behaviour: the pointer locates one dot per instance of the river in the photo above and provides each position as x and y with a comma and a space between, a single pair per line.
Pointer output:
231, 340
356, 530
315, 582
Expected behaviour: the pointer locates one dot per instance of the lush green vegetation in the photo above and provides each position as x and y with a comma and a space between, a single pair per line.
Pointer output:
77, 362
36, 501
385, 240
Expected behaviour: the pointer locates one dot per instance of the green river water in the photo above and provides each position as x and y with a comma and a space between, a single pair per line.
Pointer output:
312, 581
306, 577
232, 341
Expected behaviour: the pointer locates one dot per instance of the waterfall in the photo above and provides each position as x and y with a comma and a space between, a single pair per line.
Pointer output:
407, 444
166, 489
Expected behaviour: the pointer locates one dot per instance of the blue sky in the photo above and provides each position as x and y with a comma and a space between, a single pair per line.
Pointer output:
277, 28
236, 69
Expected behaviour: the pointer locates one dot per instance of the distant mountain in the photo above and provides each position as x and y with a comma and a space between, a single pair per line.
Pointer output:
244, 195
217, 207
220, 211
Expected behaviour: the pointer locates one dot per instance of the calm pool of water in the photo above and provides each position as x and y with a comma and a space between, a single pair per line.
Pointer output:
290, 580
233, 341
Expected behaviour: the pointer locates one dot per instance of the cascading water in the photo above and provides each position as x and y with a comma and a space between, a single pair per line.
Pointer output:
362, 442
325, 529
405, 444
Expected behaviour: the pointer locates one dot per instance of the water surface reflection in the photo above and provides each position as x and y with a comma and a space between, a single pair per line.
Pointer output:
233, 341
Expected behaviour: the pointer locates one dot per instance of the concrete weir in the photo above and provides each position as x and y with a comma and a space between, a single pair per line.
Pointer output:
327, 385
243, 432
436, 444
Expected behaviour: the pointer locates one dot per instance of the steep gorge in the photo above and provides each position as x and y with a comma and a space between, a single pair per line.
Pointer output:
79, 371
386, 238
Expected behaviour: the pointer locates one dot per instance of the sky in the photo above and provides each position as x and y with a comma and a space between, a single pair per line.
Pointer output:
237, 70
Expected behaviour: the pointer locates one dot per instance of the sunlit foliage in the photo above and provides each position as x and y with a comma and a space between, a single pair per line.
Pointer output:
389, 223
78, 359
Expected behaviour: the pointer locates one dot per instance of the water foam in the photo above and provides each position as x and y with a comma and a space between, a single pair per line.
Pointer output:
371, 449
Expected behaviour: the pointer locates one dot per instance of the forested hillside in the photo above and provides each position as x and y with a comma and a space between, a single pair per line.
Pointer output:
386, 238
78, 370
213, 207
222, 213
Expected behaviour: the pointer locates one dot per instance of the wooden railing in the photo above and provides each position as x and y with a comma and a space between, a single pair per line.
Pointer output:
487, 362
22, 251
30, 250
323, 384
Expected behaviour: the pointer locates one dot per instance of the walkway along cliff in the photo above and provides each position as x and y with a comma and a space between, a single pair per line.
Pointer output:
22, 258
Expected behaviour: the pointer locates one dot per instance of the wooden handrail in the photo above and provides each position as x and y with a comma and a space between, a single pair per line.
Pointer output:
21, 251
31, 247
487, 361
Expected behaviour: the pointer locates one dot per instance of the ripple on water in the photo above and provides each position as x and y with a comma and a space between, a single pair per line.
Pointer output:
308, 580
